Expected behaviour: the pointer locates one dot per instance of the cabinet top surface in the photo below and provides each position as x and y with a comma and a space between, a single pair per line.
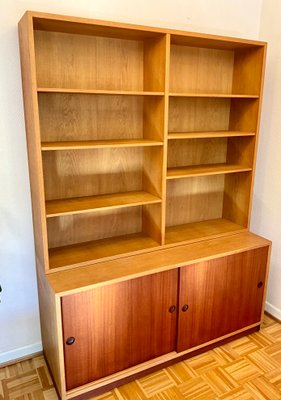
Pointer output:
87, 26
104, 273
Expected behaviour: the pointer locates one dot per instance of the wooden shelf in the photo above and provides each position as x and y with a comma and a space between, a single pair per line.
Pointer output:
78, 205
206, 169
216, 95
99, 91
84, 253
98, 144
206, 135
201, 230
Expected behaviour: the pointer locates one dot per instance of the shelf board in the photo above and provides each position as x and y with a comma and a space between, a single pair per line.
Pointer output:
201, 230
206, 135
99, 91
216, 95
97, 144
78, 205
205, 169
84, 253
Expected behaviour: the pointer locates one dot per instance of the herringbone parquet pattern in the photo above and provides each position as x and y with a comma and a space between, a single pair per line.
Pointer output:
245, 369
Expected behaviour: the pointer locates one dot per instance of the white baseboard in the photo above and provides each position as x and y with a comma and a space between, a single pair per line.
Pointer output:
274, 311
20, 352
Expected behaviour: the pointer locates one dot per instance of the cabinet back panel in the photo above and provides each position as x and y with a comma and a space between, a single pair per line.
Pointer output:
88, 117
194, 199
87, 62
71, 229
77, 173
196, 70
196, 152
191, 114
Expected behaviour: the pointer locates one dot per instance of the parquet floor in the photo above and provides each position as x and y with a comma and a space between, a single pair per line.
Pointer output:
245, 369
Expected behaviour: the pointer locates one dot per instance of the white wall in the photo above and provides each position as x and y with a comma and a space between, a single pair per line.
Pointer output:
266, 215
19, 332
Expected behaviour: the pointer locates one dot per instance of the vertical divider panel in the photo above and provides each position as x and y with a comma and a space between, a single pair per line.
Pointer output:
166, 124
28, 70
154, 117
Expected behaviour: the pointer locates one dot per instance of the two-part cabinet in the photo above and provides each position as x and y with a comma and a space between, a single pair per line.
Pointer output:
142, 145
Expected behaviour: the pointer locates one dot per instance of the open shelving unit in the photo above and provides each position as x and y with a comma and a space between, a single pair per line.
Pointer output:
147, 138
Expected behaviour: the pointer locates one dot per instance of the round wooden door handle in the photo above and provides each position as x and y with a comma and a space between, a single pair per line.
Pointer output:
260, 284
185, 308
172, 309
70, 340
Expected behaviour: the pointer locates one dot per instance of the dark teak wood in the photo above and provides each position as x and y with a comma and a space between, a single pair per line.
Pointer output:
118, 326
223, 295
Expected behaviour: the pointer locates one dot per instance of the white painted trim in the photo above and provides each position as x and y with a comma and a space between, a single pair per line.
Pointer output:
20, 352
274, 311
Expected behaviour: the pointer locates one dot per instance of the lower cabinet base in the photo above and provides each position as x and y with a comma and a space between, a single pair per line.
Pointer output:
90, 390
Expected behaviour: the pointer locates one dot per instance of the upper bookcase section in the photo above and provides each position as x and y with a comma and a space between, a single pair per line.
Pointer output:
91, 55
95, 58
205, 71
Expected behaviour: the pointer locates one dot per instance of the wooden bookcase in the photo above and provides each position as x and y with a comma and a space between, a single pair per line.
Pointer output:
142, 144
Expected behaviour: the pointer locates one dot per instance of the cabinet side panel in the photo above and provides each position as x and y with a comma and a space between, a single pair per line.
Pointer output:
236, 198
154, 63
50, 319
33, 138
248, 70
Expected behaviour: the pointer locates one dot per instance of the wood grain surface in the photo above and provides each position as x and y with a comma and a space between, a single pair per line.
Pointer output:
124, 324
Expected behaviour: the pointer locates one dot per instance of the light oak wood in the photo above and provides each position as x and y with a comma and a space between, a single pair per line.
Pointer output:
33, 138
88, 59
195, 152
86, 26
198, 114
243, 114
154, 57
236, 198
66, 230
72, 117
207, 135
247, 71
113, 271
200, 71
204, 229
91, 203
121, 334
93, 251
193, 200
205, 169
97, 144
78, 173
165, 132
214, 95
210, 41
100, 92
